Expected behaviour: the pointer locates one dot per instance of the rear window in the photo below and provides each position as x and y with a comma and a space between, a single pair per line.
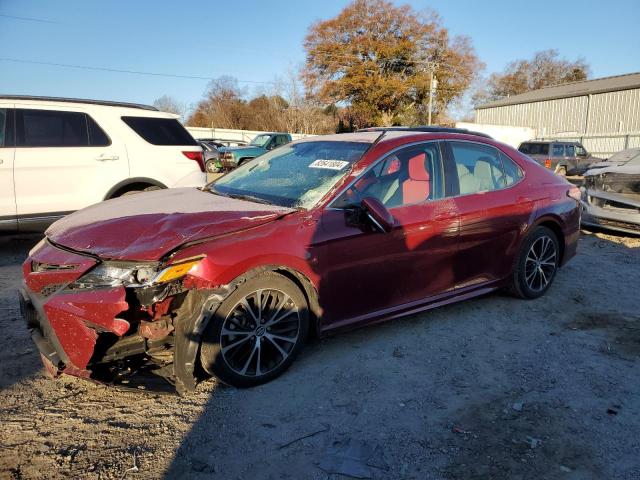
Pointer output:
534, 148
160, 131
51, 128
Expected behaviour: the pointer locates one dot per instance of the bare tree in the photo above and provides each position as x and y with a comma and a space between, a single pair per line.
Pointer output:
169, 104
544, 69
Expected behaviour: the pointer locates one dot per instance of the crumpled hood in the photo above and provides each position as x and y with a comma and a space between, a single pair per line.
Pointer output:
613, 168
148, 225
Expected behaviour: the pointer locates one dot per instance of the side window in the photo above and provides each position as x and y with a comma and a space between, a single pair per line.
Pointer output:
97, 136
50, 128
570, 151
281, 140
512, 172
558, 150
3, 125
478, 167
408, 176
580, 151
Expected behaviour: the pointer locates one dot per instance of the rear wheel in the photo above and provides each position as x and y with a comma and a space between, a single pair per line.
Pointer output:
211, 166
256, 332
537, 264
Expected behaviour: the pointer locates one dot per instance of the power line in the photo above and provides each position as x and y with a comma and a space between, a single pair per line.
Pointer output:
28, 19
117, 70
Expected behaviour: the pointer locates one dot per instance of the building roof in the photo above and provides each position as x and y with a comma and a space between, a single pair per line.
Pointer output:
573, 89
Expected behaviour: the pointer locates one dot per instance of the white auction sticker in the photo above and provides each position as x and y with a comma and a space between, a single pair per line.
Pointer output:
329, 164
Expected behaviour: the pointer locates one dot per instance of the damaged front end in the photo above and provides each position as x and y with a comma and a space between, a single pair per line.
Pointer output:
115, 322
611, 200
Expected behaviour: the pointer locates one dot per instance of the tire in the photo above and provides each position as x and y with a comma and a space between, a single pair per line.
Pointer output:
210, 166
537, 264
235, 334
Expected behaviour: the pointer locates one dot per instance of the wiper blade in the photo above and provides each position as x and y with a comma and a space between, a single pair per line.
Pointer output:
249, 198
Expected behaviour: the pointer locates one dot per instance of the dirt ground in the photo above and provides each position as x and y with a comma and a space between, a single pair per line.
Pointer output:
492, 388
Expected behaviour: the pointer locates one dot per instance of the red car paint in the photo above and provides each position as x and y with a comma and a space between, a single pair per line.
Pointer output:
438, 251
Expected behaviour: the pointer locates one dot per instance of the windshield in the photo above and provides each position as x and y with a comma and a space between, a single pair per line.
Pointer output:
260, 140
296, 175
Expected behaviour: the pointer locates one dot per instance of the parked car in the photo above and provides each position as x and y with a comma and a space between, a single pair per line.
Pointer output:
222, 142
61, 155
320, 235
231, 157
211, 155
611, 193
563, 157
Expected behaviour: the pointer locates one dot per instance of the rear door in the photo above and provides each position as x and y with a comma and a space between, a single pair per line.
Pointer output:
64, 161
7, 151
492, 207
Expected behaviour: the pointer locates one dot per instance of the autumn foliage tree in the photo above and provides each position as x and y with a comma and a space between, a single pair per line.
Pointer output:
375, 59
282, 108
544, 69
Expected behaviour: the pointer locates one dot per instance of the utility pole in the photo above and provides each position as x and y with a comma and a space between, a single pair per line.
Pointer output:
433, 85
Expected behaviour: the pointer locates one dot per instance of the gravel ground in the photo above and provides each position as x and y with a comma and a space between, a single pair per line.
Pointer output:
493, 388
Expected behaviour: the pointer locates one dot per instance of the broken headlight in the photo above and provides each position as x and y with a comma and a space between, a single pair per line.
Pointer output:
128, 274
113, 274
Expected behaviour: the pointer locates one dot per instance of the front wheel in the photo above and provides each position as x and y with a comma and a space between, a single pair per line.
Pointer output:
537, 264
257, 332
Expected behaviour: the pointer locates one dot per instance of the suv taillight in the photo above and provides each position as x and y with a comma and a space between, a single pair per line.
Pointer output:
197, 156
547, 163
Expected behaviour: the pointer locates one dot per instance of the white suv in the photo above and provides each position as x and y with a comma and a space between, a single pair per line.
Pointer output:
60, 155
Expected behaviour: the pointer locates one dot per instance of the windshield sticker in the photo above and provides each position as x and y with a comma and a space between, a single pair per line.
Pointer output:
329, 164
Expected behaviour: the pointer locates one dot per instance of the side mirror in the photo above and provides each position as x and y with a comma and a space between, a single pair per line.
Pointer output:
377, 213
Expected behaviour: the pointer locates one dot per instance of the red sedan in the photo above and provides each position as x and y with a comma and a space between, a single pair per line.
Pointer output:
322, 234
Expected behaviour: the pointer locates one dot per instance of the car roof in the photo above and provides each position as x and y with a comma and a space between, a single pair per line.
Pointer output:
107, 103
543, 142
425, 129
382, 135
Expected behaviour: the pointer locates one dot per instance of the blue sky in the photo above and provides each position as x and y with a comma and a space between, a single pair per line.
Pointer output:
260, 40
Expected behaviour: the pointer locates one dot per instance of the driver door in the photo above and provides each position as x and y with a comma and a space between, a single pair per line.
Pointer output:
368, 272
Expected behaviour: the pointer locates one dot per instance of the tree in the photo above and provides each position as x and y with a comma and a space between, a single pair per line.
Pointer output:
169, 104
377, 59
544, 69
282, 108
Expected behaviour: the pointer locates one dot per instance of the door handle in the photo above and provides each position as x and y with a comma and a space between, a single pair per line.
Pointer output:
104, 158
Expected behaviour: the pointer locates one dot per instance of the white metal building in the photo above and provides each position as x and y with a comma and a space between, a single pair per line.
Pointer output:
603, 113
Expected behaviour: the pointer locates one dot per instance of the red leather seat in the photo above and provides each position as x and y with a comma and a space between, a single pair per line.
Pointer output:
416, 188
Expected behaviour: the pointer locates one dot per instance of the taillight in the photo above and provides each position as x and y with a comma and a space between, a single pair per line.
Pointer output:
547, 163
197, 156
574, 192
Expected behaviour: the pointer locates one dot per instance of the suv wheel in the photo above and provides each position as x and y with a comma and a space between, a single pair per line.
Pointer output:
256, 332
536, 265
